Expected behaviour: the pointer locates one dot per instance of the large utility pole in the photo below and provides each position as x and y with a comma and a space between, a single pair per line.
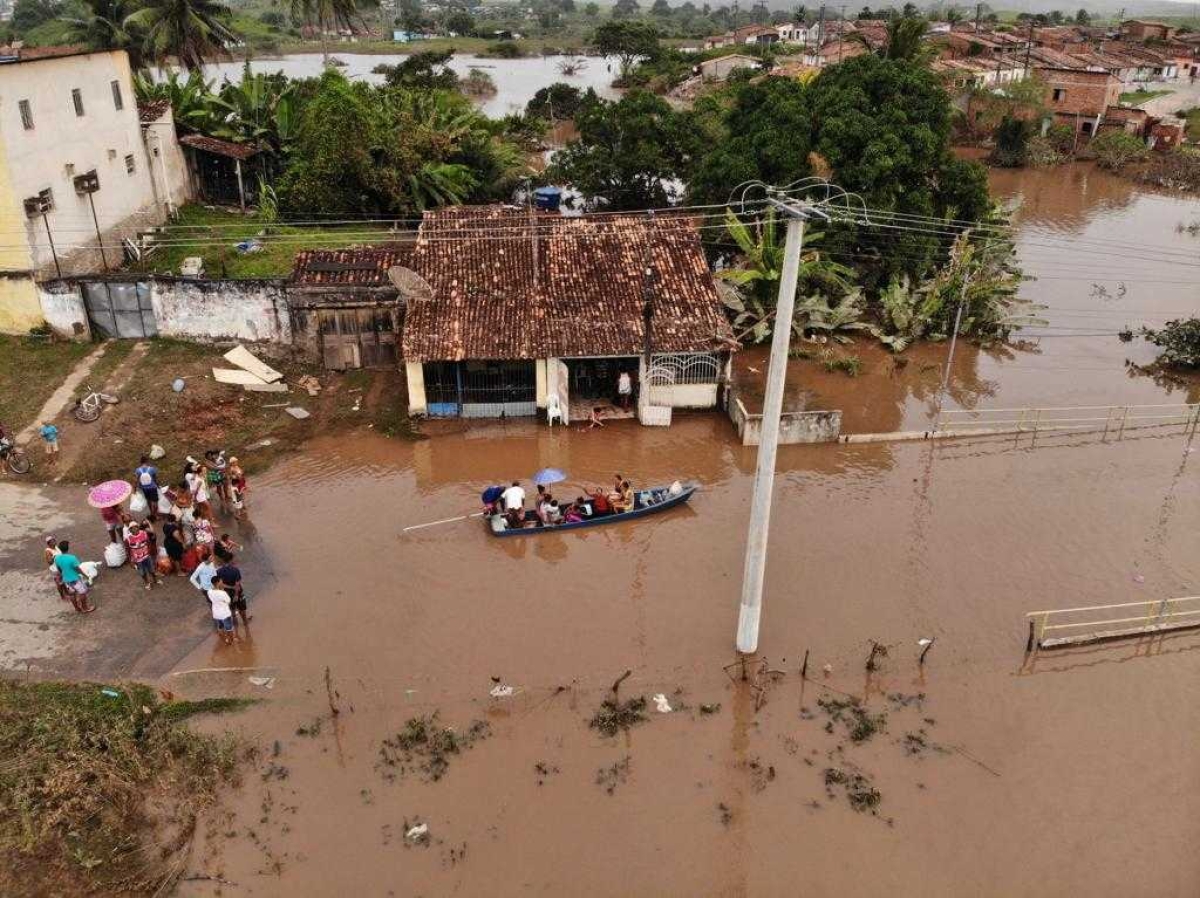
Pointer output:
764, 476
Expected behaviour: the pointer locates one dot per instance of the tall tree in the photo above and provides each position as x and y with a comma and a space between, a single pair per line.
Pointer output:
624, 9
102, 27
628, 41
628, 153
906, 40
192, 31
325, 15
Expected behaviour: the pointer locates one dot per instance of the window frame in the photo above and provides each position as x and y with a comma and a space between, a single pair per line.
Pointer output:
130, 164
26, 110
77, 101
118, 96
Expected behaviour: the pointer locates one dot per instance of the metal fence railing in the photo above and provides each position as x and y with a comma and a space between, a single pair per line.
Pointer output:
1074, 626
1109, 419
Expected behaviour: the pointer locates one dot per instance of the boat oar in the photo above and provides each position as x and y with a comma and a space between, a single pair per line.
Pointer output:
464, 517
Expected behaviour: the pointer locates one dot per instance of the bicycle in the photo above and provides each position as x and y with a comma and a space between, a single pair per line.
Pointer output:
88, 408
18, 462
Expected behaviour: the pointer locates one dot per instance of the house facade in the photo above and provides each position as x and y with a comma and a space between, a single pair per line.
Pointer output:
77, 174
1080, 98
1143, 30
515, 311
722, 67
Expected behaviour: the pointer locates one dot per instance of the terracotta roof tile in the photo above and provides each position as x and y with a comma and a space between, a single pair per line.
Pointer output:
152, 110
217, 147
559, 288
367, 267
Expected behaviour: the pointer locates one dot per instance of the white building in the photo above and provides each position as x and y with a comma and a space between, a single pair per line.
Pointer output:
792, 33
74, 160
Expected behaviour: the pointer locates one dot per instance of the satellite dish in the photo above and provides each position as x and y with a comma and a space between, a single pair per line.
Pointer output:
411, 285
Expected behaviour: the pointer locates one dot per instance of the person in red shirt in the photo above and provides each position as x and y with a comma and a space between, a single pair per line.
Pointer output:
112, 522
141, 554
600, 503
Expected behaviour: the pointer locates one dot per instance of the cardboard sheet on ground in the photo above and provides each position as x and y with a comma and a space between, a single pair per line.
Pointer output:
278, 387
243, 358
236, 376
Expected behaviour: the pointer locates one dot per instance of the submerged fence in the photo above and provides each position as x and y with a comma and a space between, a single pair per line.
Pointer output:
1075, 626
1109, 419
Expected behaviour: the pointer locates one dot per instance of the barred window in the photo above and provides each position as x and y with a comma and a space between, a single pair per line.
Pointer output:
26, 114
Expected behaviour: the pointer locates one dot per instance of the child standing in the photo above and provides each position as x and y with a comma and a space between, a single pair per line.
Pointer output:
50, 435
141, 554
222, 616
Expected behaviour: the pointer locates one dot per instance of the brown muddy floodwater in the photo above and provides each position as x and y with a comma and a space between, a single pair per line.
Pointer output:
1075, 773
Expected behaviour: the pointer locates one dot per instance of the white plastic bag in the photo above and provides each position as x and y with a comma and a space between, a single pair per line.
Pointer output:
114, 554
164, 504
90, 571
138, 504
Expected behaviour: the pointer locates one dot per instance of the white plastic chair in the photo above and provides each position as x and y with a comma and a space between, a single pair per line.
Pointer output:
553, 410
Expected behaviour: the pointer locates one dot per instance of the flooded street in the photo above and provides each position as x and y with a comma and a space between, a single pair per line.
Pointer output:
517, 80
1071, 773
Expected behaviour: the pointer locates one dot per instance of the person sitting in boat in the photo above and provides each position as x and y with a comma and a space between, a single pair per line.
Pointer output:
624, 500
600, 503
514, 519
554, 514
514, 499
542, 503
572, 514
493, 500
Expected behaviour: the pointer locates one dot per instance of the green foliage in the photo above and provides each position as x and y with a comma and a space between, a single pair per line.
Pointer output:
850, 365
1116, 149
29, 14
1179, 341
461, 22
328, 15
190, 31
626, 152
102, 27
557, 102
427, 70
503, 50
907, 314
821, 318
1012, 142
627, 41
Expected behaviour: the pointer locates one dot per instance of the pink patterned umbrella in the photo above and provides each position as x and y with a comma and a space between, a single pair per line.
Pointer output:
109, 493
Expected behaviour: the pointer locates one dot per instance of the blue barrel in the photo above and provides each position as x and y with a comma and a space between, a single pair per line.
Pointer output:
547, 199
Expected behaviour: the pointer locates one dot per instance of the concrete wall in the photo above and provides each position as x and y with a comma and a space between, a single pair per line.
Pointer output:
64, 310
414, 374
19, 310
62, 144
169, 168
19, 306
684, 395
794, 427
255, 311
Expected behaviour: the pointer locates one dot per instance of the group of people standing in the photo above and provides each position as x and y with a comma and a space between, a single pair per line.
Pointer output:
189, 546
506, 505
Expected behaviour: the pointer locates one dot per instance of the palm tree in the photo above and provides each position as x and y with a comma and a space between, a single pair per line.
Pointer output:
192, 31
325, 15
102, 27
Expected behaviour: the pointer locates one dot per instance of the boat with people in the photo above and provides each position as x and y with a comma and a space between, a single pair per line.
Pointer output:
591, 511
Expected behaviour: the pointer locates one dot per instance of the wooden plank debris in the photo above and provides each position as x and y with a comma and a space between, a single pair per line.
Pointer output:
244, 359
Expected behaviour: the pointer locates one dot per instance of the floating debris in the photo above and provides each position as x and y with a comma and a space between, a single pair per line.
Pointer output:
610, 777
615, 715
860, 791
425, 747
860, 724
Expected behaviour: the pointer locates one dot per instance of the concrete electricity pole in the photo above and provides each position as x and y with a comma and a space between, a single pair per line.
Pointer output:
764, 475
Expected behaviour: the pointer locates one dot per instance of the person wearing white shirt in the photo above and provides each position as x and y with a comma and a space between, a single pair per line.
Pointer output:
222, 614
514, 498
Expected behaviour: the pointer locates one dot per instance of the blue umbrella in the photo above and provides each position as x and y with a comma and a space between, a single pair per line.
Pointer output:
547, 476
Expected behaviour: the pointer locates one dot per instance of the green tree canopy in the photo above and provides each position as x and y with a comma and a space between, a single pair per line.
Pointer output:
628, 41
191, 31
101, 26
628, 153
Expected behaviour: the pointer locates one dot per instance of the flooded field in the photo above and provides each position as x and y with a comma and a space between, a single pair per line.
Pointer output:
517, 80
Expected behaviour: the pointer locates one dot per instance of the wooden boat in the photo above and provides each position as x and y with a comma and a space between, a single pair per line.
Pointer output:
646, 502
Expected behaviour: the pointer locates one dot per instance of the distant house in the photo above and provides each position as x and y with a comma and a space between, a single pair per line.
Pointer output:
1144, 30
226, 172
964, 74
1080, 98
792, 33
722, 67
965, 43
517, 307
752, 35
833, 53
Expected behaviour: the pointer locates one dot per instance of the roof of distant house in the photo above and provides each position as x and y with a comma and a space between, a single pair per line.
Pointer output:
10, 55
150, 111
1146, 22
715, 59
218, 147
364, 267
511, 285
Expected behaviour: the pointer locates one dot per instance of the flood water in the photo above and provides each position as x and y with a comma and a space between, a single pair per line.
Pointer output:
517, 80
1071, 773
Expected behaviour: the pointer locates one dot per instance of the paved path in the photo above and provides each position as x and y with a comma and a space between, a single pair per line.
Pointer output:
66, 391
1183, 95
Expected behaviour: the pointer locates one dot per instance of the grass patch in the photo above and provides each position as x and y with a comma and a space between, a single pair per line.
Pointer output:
99, 793
850, 365
211, 233
31, 368
1192, 117
425, 747
1138, 97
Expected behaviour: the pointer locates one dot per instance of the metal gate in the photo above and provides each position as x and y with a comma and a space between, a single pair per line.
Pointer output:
357, 338
120, 309
481, 389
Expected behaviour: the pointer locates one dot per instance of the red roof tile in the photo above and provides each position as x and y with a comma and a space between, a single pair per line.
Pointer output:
366, 267
510, 286
217, 147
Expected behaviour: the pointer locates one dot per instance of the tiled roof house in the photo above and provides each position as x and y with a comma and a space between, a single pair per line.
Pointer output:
527, 306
